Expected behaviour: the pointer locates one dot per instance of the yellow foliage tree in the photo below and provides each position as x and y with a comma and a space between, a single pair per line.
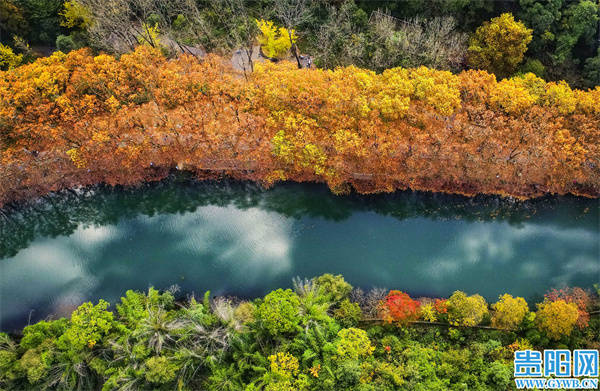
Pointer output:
466, 310
560, 96
509, 311
150, 35
511, 96
557, 318
275, 41
8, 58
498, 46
75, 15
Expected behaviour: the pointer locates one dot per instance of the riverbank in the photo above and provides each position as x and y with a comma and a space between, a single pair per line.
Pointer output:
76, 120
313, 337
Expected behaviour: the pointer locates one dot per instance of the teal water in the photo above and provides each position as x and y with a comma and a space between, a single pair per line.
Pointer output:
238, 239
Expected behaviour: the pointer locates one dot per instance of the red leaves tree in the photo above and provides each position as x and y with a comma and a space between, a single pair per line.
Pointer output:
400, 307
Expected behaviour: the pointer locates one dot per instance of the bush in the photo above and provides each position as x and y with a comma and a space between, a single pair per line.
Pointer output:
348, 314
89, 324
160, 370
353, 344
278, 313
533, 66
466, 310
8, 58
65, 43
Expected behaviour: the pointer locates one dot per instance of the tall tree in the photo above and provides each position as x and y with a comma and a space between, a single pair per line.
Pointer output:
292, 14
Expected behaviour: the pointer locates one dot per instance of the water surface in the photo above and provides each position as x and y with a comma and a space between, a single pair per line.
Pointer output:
238, 239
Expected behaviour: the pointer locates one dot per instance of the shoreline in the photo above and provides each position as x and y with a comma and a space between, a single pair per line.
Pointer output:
31, 194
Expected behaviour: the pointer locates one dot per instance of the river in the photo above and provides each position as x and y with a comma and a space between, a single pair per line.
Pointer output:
238, 239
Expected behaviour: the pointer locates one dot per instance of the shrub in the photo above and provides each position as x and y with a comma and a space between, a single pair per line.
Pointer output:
557, 318
509, 311
65, 43
279, 312
428, 312
353, 344
511, 96
35, 334
533, 66
498, 46
35, 364
244, 312
466, 310
348, 314
284, 364
160, 370
498, 375
560, 96
8, 58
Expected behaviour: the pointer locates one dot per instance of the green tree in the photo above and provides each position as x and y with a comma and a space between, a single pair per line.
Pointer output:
334, 288
591, 71
564, 35
89, 324
12, 20
278, 313
43, 17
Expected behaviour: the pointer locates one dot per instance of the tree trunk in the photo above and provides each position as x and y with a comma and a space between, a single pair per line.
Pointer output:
294, 48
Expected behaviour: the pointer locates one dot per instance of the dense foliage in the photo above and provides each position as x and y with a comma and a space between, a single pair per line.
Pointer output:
75, 119
500, 45
289, 340
559, 39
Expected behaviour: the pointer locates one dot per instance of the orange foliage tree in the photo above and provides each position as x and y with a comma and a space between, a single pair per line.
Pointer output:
78, 119
577, 296
399, 307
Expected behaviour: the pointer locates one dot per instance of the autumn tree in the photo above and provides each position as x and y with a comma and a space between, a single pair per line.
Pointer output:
77, 119
275, 41
499, 45
466, 310
292, 14
400, 307
557, 318
509, 311
576, 295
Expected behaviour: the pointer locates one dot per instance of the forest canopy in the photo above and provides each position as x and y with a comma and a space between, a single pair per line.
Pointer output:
79, 119
323, 335
557, 39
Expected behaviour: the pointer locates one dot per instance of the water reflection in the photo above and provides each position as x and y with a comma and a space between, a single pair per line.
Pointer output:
237, 238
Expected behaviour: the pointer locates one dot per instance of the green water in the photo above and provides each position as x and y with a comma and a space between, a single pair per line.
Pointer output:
237, 239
